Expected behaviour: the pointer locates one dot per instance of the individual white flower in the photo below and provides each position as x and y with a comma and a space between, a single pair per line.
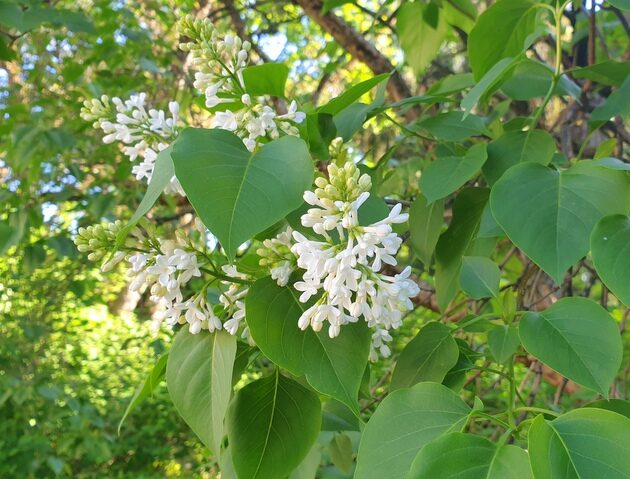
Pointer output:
162, 269
138, 262
380, 338
145, 168
233, 300
226, 120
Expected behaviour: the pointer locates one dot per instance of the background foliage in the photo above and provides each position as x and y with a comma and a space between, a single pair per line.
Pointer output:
74, 344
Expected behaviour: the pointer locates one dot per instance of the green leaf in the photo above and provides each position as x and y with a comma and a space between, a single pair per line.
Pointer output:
309, 466
8, 236
505, 29
199, 380
250, 192
489, 228
610, 248
615, 105
350, 120
613, 164
456, 241
351, 95
425, 225
146, 389
460, 14
622, 4
456, 377
577, 338
340, 449
530, 79
34, 256
466, 456
402, 424
489, 80
11, 15
6, 53
427, 357
479, 277
549, 215
447, 174
583, 443
605, 149
608, 72
336, 416
163, 171
75, 21
266, 79
615, 405
421, 29
452, 126
503, 342
452, 84
320, 131
226, 465
332, 366
272, 424
516, 147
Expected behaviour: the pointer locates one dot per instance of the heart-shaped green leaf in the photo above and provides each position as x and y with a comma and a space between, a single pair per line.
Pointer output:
466, 456
427, 357
199, 380
504, 30
610, 247
421, 29
479, 277
445, 175
454, 126
583, 443
405, 421
236, 193
577, 338
550, 214
332, 366
503, 342
266, 79
272, 424
517, 147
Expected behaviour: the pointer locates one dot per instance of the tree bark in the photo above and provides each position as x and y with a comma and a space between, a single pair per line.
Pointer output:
355, 44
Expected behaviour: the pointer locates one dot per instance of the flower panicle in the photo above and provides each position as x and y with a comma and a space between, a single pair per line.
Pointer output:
345, 274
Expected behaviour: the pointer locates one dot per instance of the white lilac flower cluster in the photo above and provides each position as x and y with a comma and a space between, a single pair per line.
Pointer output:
143, 131
342, 266
165, 267
220, 62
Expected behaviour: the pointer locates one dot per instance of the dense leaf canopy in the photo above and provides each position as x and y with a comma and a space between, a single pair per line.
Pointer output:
315, 239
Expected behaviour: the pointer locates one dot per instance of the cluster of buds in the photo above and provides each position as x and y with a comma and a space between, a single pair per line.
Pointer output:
276, 255
97, 110
143, 131
337, 199
219, 61
97, 241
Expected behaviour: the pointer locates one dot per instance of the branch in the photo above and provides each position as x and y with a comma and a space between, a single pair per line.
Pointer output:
241, 31
358, 47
